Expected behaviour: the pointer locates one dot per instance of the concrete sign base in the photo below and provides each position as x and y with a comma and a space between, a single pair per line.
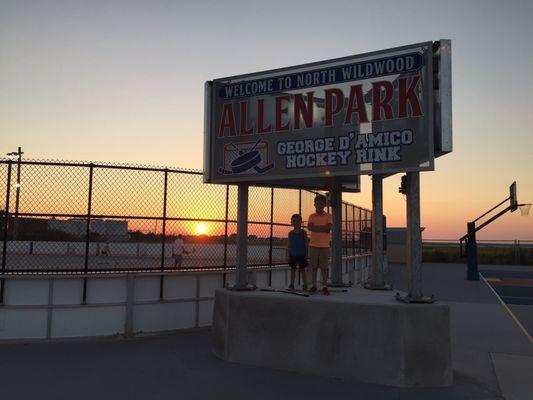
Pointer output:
361, 335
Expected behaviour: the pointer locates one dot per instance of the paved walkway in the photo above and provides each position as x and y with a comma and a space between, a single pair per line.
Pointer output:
487, 345
488, 348
515, 288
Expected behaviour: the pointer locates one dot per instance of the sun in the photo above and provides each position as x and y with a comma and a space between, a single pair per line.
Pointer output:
201, 229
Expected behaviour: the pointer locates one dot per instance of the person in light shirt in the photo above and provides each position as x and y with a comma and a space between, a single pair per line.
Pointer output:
178, 250
319, 224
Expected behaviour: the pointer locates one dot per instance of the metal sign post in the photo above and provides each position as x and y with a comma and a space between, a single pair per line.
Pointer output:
414, 237
336, 238
241, 280
377, 231
377, 281
414, 244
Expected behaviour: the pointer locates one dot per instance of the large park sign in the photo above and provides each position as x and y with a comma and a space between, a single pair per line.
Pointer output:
310, 125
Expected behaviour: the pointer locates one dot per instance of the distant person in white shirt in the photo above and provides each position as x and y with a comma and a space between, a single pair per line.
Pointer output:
105, 250
178, 250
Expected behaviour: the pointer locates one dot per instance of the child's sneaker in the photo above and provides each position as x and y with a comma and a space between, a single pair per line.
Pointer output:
291, 287
313, 290
325, 291
304, 287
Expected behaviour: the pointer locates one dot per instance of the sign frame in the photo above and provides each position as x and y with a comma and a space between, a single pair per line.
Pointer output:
438, 101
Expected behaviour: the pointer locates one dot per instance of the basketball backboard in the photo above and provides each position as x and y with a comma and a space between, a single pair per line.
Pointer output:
512, 197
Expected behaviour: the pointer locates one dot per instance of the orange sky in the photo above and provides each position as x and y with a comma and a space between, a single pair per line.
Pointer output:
123, 82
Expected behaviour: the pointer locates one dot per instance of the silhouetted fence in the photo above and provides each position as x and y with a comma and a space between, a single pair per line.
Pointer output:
71, 217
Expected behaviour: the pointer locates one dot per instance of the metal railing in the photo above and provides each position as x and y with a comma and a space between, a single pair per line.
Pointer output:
74, 217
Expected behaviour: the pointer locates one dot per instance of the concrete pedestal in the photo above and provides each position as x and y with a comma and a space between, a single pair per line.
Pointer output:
361, 335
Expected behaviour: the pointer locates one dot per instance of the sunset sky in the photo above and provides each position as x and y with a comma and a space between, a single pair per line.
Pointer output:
122, 81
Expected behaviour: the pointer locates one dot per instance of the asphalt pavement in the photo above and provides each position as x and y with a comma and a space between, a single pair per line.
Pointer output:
491, 358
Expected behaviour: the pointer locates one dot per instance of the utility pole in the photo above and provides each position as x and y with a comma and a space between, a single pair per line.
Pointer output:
17, 154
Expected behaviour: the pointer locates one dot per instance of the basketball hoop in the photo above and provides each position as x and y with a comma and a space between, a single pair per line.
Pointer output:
524, 209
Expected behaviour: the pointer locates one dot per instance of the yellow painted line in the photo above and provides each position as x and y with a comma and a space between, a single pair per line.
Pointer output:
516, 320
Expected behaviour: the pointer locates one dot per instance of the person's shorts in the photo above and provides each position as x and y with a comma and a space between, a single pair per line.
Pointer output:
298, 261
319, 257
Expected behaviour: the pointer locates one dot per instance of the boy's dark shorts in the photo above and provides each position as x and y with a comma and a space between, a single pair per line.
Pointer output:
298, 261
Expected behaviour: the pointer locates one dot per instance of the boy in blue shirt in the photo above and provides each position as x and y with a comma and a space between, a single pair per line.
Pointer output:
297, 250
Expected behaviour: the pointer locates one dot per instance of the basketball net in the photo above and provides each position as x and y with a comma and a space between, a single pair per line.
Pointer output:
524, 209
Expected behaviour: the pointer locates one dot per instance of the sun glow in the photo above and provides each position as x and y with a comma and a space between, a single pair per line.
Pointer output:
201, 229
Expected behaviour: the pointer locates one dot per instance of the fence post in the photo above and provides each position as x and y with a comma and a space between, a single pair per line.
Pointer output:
163, 235
352, 247
4, 244
346, 230
300, 212
88, 233
164, 227
353, 231
360, 250
300, 202
271, 233
226, 237
17, 198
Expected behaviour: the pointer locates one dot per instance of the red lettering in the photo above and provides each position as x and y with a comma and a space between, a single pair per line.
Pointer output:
279, 113
339, 104
227, 120
261, 128
378, 103
408, 95
356, 105
245, 130
301, 110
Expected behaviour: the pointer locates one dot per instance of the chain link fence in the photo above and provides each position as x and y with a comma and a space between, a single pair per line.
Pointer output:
71, 217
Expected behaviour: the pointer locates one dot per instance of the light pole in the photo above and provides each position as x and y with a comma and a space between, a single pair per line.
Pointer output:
17, 154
